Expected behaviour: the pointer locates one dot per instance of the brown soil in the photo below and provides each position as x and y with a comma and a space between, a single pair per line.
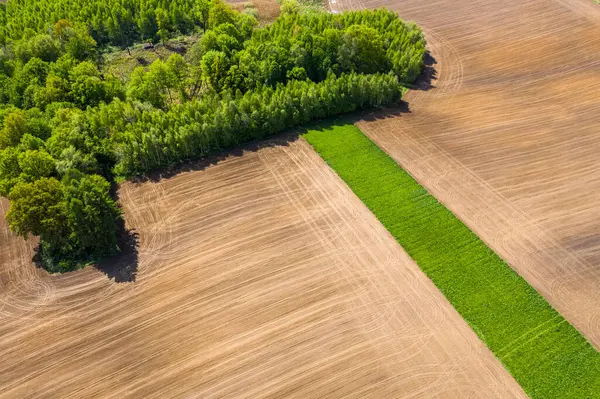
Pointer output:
268, 10
259, 276
508, 135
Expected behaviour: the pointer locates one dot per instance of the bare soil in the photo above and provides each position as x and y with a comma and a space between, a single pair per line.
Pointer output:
257, 275
507, 135
268, 10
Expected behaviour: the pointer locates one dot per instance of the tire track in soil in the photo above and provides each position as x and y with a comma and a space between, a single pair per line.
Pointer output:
261, 276
508, 135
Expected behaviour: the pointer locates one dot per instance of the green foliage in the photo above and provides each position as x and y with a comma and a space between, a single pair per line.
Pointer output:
67, 129
158, 139
118, 22
6, 64
37, 208
362, 50
76, 220
86, 86
35, 164
42, 46
9, 170
220, 13
297, 73
14, 127
320, 43
91, 214
215, 65
156, 85
70, 158
30, 142
545, 354
79, 44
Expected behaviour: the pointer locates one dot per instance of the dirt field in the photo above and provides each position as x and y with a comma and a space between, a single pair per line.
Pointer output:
261, 276
508, 137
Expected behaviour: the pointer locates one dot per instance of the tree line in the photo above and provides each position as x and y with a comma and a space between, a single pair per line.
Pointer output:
116, 22
68, 130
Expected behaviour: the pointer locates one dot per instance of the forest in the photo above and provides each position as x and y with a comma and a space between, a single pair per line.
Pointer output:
69, 131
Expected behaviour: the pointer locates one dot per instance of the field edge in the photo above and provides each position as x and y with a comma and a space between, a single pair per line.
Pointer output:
569, 366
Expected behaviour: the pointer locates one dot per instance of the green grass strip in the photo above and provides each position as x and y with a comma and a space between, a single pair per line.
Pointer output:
545, 354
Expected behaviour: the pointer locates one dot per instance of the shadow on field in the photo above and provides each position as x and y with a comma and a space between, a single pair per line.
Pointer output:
429, 74
123, 266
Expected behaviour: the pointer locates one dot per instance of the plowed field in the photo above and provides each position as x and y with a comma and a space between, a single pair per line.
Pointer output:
260, 276
263, 276
508, 135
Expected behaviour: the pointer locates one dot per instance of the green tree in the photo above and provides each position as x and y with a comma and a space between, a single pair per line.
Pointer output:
35, 164
61, 28
30, 142
91, 215
215, 65
6, 64
147, 86
220, 13
200, 12
35, 71
86, 86
362, 50
13, 128
41, 46
71, 158
178, 71
57, 89
147, 24
9, 170
164, 24
38, 209
79, 44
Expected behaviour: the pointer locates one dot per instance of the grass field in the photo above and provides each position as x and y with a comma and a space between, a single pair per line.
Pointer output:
546, 355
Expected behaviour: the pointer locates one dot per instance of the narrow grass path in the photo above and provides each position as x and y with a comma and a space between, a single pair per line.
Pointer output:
545, 354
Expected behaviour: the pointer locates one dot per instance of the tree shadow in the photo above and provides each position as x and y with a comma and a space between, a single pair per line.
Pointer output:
429, 74
142, 61
122, 267
199, 164
175, 48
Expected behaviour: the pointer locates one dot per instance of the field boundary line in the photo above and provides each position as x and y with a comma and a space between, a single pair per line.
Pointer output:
537, 345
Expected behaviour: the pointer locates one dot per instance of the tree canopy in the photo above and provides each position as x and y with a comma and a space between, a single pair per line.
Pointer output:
68, 129
118, 22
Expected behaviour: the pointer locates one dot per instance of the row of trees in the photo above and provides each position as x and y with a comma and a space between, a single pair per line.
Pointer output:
67, 130
118, 22
158, 139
